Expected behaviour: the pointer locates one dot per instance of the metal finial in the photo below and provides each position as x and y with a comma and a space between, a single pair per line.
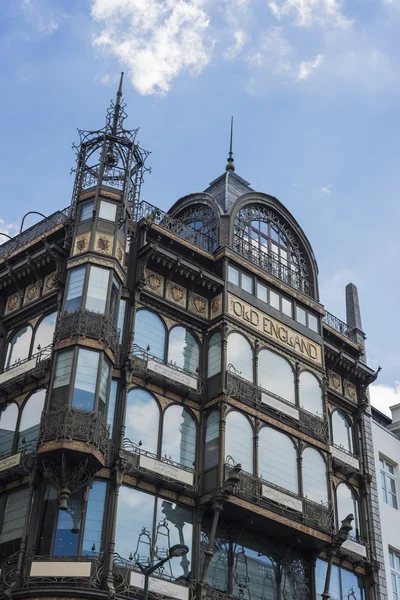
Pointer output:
230, 166
117, 106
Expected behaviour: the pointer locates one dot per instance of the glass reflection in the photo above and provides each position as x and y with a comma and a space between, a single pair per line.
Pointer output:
347, 504
179, 436
8, 424
85, 380
277, 458
94, 519
240, 355
239, 440
45, 331
13, 520
30, 420
183, 349
134, 528
311, 394
315, 485
179, 520
212, 440
150, 333
254, 571
19, 346
218, 571
73, 296
344, 584
142, 420
276, 375
342, 431
214, 354
96, 295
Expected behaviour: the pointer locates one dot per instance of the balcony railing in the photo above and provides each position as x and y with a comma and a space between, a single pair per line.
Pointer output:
26, 371
339, 326
271, 263
85, 323
75, 571
20, 461
257, 397
74, 425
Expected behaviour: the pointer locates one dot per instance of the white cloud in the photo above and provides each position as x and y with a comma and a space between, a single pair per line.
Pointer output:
384, 396
326, 189
155, 40
41, 17
239, 37
274, 51
310, 12
9, 229
308, 66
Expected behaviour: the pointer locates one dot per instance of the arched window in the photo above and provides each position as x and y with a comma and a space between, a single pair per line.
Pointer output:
8, 425
240, 355
342, 431
311, 394
239, 440
276, 375
212, 440
214, 354
142, 420
200, 227
45, 331
183, 349
277, 459
315, 483
347, 503
19, 346
179, 436
150, 333
30, 420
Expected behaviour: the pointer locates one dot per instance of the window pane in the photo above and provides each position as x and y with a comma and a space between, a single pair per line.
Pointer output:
275, 375
114, 300
274, 299
135, 516
76, 279
86, 211
141, 421
347, 504
311, 394
183, 349
313, 323
111, 405
107, 211
97, 289
212, 440
44, 332
180, 524
69, 523
301, 315
85, 380
214, 354
314, 476
255, 569
240, 355
8, 425
13, 521
121, 318
150, 333
179, 436
239, 440
94, 518
342, 431
62, 378
104, 385
277, 458
30, 420
287, 307
233, 275
262, 292
247, 283
320, 575
19, 345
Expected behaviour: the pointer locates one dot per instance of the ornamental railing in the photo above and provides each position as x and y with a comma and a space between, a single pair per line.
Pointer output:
37, 230
22, 459
85, 323
26, 371
339, 326
31, 362
270, 262
42, 571
68, 423
175, 226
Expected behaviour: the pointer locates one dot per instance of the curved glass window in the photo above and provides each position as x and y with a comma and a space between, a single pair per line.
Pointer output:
74, 292
179, 436
96, 295
150, 333
342, 431
8, 425
240, 355
214, 354
276, 375
45, 331
85, 380
347, 503
277, 459
212, 440
142, 420
311, 394
19, 346
200, 227
315, 484
183, 349
30, 420
239, 440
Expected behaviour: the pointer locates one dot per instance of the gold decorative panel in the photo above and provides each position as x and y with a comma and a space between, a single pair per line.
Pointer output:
216, 306
120, 253
32, 292
154, 282
335, 382
103, 243
49, 283
13, 302
350, 391
176, 293
82, 243
198, 304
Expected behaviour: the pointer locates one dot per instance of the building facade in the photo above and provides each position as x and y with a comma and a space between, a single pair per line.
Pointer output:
386, 435
172, 378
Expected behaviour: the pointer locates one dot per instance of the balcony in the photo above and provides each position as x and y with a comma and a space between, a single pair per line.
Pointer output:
27, 371
339, 326
19, 463
257, 397
87, 324
344, 461
165, 374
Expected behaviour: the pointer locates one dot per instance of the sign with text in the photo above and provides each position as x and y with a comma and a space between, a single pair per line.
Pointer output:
172, 374
282, 498
17, 370
279, 332
164, 468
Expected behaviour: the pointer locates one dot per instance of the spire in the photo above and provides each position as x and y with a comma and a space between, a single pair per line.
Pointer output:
230, 166
117, 106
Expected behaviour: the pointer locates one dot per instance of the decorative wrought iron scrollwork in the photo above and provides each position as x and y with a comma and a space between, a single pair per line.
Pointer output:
321, 515
318, 427
85, 323
8, 568
241, 389
339, 326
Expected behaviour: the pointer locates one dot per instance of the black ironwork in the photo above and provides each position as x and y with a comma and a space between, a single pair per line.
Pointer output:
91, 581
339, 326
317, 427
8, 573
28, 370
85, 323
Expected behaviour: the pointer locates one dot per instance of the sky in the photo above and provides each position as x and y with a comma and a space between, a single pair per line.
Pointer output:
314, 88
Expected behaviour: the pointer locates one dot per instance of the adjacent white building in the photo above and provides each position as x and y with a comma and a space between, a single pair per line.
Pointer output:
386, 436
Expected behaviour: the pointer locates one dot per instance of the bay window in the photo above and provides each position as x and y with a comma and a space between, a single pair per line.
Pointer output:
93, 288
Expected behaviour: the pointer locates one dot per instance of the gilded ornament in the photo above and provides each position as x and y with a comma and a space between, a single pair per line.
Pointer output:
176, 293
81, 243
154, 281
351, 391
103, 244
216, 305
120, 253
32, 291
49, 283
13, 302
199, 304
335, 381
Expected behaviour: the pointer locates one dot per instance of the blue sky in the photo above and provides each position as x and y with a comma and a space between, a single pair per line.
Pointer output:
314, 89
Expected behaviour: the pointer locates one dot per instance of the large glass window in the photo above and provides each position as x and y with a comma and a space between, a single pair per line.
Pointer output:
345, 585
211, 454
62, 378
315, 485
30, 420
347, 503
277, 459
45, 332
86, 211
179, 520
276, 375
150, 333
183, 349
311, 394
111, 405
239, 440
107, 211
179, 436
91, 543
121, 318
96, 296
214, 354
8, 426
13, 509
105, 376
114, 300
19, 346
240, 355
73, 296
85, 380
342, 432
394, 560
388, 482
142, 420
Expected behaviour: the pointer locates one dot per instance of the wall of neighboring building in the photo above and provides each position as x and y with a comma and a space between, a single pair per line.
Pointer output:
387, 445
